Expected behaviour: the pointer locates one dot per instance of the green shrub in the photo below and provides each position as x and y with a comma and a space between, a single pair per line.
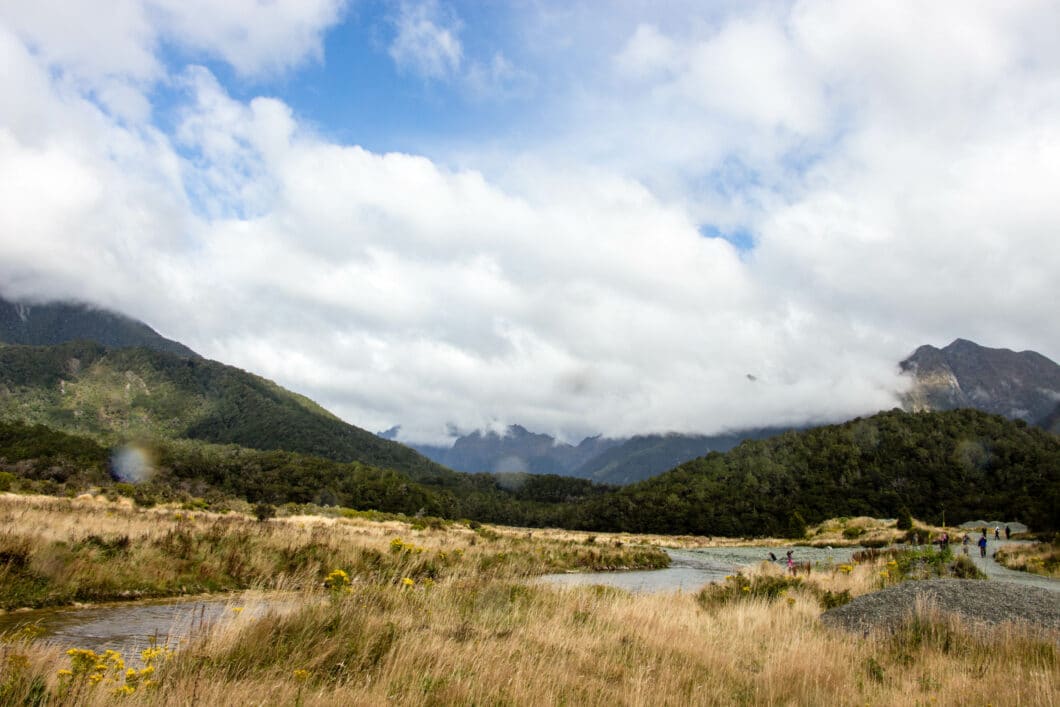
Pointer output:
964, 568
738, 587
264, 511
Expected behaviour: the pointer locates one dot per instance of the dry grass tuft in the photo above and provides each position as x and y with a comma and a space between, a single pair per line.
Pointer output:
478, 633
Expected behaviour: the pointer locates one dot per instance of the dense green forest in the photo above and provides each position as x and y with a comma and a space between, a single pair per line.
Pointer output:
956, 466
953, 466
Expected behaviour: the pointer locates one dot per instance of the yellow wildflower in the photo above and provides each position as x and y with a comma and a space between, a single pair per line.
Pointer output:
337, 579
407, 581
301, 675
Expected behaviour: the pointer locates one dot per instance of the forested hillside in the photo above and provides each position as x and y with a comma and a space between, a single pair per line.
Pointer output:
85, 388
953, 466
958, 465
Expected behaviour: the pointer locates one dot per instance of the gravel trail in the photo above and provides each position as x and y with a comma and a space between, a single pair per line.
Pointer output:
993, 570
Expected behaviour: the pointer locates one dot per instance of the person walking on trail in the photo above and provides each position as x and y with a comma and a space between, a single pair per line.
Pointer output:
1008, 533
965, 543
982, 546
997, 533
791, 563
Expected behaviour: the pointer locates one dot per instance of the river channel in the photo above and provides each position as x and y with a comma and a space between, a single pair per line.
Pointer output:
689, 570
130, 627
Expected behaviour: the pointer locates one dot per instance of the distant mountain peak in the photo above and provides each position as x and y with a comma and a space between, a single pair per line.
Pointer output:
1018, 385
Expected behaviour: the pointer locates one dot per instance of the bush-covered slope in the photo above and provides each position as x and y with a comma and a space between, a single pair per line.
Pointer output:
961, 464
84, 388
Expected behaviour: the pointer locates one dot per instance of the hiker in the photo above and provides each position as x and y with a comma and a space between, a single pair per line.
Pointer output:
1008, 533
791, 563
982, 545
997, 533
965, 543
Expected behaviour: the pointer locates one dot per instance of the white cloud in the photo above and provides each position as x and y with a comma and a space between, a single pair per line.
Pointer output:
115, 48
426, 40
254, 36
648, 53
896, 172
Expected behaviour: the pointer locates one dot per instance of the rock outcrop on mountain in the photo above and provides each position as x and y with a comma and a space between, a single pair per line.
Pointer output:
1018, 385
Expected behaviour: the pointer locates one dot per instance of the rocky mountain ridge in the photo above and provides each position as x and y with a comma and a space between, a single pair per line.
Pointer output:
1020, 385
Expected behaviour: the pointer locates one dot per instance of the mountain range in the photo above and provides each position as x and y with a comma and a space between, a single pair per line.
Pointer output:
603, 460
226, 433
1017, 385
133, 381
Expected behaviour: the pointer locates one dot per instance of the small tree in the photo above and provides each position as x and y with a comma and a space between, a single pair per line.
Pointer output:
264, 511
796, 525
905, 519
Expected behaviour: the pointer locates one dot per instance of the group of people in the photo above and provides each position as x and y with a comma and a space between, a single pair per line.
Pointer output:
944, 538
981, 543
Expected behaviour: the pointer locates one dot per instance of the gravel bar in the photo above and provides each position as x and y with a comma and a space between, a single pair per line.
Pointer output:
974, 600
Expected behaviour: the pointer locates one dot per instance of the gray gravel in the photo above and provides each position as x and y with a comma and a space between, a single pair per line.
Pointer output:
976, 601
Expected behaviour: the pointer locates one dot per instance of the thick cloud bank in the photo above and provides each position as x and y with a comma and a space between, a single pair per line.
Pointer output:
741, 220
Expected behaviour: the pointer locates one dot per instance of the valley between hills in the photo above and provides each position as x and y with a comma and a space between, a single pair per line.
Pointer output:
359, 570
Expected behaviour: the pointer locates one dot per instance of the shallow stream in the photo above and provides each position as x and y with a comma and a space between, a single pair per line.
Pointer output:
691, 569
130, 627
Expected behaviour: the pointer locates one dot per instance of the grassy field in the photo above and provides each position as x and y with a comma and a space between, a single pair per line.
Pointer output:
409, 612
1040, 558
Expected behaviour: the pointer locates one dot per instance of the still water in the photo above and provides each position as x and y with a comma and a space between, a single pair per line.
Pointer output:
689, 570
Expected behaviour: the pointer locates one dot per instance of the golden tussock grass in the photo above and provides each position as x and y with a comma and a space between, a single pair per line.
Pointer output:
479, 633
1039, 558
498, 642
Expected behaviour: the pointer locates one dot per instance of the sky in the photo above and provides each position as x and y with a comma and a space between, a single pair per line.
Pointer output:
581, 216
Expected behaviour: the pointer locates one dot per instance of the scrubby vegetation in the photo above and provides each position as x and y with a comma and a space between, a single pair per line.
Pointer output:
962, 463
1040, 558
373, 624
58, 551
